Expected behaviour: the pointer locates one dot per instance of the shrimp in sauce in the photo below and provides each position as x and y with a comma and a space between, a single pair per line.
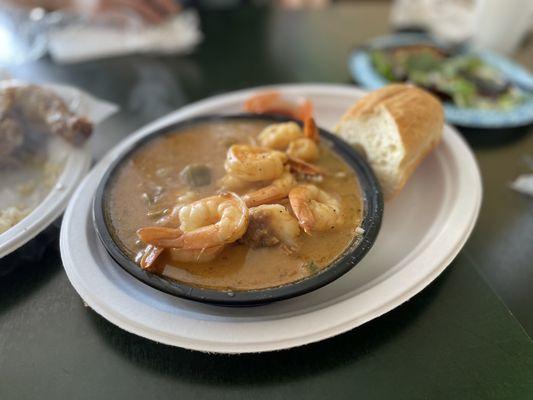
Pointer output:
315, 209
252, 163
209, 222
250, 238
277, 190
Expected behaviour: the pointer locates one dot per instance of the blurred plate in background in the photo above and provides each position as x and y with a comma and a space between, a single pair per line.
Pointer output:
363, 71
73, 164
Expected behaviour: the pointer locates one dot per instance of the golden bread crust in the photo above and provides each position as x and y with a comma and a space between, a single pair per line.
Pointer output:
419, 118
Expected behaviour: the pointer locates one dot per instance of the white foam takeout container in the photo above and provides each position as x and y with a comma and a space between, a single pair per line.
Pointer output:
73, 161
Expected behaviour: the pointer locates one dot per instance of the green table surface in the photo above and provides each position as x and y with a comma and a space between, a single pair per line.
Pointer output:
463, 337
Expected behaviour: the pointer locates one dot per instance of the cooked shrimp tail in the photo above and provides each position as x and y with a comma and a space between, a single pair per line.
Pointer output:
273, 102
149, 256
303, 212
306, 110
262, 102
160, 236
304, 168
311, 130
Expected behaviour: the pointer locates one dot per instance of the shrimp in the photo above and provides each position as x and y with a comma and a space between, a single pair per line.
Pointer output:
231, 183
272, 102
279, 136
209, 222
147, 258
251, 163
271, 224
303, 149
306, 147
303, 168
277, 190
160, 236
315, 209
311, 130
170, 216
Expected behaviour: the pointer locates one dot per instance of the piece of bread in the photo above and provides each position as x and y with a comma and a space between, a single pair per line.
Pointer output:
395, 128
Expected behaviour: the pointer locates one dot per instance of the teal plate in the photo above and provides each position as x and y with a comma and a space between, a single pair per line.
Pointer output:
363, 71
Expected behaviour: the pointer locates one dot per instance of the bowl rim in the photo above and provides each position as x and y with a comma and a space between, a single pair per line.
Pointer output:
372, 201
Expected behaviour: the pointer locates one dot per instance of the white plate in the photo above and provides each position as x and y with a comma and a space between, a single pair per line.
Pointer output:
74, 164
73, 161
423, 230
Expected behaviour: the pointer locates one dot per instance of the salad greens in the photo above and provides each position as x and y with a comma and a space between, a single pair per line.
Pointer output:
463, 79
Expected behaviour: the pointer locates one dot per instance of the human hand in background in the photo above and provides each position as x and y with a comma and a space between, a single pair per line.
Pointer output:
153, 11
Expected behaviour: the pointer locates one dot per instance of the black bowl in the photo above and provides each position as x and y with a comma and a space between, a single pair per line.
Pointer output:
371, 222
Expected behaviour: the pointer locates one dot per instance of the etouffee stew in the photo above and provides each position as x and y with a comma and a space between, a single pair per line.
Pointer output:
179, 193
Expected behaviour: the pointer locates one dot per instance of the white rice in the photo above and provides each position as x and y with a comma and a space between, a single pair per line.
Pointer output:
28, 194
11, 216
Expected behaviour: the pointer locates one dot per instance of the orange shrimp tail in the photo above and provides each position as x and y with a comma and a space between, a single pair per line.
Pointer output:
150, 255
198, 239
299, 166
304, 216
310, 129
160, 236
262, 196
271, 102
301, 210
306, 110
262, 102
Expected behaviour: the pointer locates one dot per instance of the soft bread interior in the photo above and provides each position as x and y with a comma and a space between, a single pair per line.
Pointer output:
375, 135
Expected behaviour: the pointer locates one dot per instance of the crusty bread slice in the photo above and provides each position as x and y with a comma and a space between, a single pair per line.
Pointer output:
395, 128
